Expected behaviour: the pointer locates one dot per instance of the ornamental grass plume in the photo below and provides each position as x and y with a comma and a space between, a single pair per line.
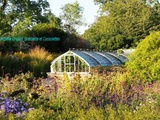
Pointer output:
40, 60
40, 54
20, 55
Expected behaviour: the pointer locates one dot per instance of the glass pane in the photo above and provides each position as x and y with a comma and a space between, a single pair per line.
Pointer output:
87, 58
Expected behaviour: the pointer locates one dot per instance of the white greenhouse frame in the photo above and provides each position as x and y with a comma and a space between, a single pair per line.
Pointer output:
74, 61
62, 64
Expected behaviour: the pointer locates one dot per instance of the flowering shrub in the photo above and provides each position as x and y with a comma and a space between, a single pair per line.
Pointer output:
110, 96
15, 106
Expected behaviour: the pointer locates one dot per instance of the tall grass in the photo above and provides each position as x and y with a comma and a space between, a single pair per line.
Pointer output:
40, 54
37, 60
40, 60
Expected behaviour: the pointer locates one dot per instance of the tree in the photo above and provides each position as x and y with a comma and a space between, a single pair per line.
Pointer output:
72, 16
55, 21
5, 22
67, 40
20, 30
17, 16
15, 12
123, 23
24, 8
111, 1
102, 1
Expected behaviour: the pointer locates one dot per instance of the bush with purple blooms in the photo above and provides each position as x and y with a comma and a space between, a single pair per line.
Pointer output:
15, 106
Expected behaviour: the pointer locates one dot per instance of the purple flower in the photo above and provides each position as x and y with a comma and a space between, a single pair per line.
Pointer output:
25, 104
23, 108
3, 107
12, 106
7, 100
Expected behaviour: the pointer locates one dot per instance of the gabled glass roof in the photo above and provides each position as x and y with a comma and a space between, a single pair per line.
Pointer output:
94, 58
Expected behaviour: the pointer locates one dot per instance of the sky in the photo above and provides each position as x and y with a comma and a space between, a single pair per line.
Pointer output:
90, 10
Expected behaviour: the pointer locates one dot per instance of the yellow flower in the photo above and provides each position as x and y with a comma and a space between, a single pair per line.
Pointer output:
40, 88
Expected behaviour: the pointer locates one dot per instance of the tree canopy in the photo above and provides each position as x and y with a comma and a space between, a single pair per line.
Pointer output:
119, 24
21, 13
72, 15
123, 23
28, 18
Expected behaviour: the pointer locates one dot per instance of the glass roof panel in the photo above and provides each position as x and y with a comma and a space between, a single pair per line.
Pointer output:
121, 57
87, 58
103, 61
113, 59
100, 58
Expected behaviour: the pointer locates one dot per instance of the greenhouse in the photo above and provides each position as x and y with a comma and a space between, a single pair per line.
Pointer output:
84, 61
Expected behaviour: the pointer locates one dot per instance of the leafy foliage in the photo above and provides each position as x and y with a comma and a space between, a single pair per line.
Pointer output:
122, 24
131, 93
102, 96
49, 30
19, 10
72, 14
102, 1
144, 62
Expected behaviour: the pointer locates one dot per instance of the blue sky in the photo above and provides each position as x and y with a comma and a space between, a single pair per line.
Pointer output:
90, 10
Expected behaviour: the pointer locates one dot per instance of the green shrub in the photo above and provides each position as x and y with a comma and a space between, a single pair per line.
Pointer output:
144, 63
